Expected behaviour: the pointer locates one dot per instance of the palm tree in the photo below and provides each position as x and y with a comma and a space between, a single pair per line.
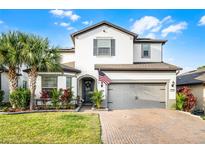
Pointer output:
10, 49
38, 56
97, 97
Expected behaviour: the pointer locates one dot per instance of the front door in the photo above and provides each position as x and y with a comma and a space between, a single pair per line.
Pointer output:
87, 88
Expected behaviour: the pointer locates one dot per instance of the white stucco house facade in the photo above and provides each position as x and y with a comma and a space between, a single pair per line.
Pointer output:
4, 82
140, 77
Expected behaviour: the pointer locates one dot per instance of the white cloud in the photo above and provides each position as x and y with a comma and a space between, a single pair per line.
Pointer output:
74, 17
70, 28
1, 22
68, 13
64, 24
131, 20
149, 24
166, 19
156, 29
87, 22
151, 35
145, 23
202, 21
57, 12
175, 28
62, 13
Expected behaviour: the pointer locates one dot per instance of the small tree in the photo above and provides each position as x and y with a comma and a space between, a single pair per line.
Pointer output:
190, 100
55, 96
97, 98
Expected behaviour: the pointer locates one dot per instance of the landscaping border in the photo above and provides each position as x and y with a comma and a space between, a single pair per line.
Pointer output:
196, 116
41, 111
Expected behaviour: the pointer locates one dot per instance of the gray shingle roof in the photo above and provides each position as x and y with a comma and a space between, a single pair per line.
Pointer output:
67, 50
64, 68
149, 40
193, 77
160, 66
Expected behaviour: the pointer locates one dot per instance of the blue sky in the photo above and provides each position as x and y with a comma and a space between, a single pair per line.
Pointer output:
184, 29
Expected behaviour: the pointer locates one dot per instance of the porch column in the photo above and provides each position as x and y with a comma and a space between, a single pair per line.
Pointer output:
74, 86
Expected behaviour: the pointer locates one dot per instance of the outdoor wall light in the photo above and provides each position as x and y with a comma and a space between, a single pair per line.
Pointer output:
173, 83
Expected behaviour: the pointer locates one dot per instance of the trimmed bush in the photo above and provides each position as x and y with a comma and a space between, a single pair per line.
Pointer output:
20, 98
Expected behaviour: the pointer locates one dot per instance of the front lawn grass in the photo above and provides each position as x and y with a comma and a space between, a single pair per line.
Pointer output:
50, 128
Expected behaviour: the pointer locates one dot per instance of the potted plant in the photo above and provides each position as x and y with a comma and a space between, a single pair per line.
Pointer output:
97, 98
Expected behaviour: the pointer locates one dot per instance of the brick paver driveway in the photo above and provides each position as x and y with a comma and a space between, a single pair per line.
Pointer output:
151, 126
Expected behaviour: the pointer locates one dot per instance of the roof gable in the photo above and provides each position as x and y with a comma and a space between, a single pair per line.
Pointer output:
101, 24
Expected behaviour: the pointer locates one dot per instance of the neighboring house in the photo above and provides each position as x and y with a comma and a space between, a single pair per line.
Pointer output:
196, 81
140, 78
4, 82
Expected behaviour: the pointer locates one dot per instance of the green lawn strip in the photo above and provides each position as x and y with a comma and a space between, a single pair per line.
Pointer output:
50, 128
203, 117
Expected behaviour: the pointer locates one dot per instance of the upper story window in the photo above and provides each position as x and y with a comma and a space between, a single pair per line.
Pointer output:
104, 47
146, 50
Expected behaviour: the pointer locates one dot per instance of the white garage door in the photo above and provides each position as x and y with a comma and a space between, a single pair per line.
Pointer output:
137, 95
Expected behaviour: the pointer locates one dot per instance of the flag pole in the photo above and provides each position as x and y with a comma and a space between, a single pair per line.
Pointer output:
107, 97
101, 81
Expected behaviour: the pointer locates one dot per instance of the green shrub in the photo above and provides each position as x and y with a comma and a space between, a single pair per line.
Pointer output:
1, 96
97, 98
55, 95
20, 98
203, 117
180, 100
5, 109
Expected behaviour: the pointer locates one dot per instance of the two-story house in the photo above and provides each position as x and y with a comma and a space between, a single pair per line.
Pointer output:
140, 78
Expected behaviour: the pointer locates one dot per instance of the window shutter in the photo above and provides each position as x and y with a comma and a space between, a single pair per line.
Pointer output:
149, 50
94, 47
112, 47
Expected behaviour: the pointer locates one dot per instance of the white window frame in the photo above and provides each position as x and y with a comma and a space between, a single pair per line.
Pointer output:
110, 52
67, 82
43, 87
149, 51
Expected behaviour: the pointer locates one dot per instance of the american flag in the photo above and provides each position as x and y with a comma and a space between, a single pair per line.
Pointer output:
104, 78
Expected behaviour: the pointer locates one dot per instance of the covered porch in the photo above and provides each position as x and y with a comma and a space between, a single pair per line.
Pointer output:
61, 81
